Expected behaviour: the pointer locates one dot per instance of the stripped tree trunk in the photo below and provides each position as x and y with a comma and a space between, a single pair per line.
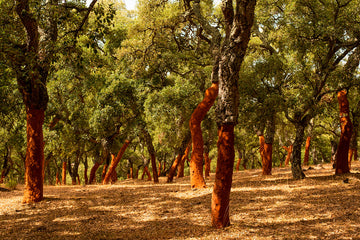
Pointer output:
181, 166
238, 24
63, 180
288, 156
307, 151
115, 162
196, 162
93, 172
342, 165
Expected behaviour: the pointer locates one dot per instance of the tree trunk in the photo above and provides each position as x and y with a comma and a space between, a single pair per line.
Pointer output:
63, 180
296, 169
288, 156
207, 164
34, 163
85, 171
115, 162
58, 182
104, 171
160, 167
180, 152
93, 172
223, 179
267, 163
238, 164
196, 162
307, 151
146, 171
181, 166
342, 165
6, 166
151, 150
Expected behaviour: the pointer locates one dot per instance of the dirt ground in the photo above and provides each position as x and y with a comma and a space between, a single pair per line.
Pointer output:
322, 206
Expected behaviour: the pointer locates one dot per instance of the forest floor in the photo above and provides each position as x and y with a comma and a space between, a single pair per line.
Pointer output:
322, 206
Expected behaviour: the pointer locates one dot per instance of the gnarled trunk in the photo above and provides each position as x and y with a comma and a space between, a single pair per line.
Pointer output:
196, 162
115, 162
34, 163
342, 165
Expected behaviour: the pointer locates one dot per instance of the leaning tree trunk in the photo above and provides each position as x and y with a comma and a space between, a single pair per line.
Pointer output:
196, 162
151, 150
307, 151
296, 169
181, 166
342, 165
115, 162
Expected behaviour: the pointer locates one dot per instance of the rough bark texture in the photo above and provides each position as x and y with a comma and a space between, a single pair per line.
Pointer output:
115, 162
196, 161
34, 163
342, 165
307, 151
224, 170
288, 156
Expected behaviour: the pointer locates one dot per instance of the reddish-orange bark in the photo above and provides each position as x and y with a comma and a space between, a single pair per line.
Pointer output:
159, 171
173, 169
147, 172
113, 177
196, 163
63, 179
307, 151
115, 162
93, 171
34, 162
238, 165
288, 156
266, 156
223, 179
351, 153
207, 164
58, 182
181, 166
104, 171
342, 165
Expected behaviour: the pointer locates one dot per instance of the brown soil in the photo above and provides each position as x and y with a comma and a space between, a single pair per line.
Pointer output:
322, 206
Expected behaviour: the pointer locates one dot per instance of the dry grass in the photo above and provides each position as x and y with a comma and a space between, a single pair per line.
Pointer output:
322, 206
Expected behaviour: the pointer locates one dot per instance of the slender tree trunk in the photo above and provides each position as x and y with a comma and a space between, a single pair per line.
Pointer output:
181, 166
296, 169
93, 172
353, 141
196, 162
159, 171
86, 180
146, 171
223, 180
58, 182
115, 162
288, 156
34, 163
104, 171
207, 164
238, 164
342, 165
63, 180
6, 165
307, 151
151, 150
180, 152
